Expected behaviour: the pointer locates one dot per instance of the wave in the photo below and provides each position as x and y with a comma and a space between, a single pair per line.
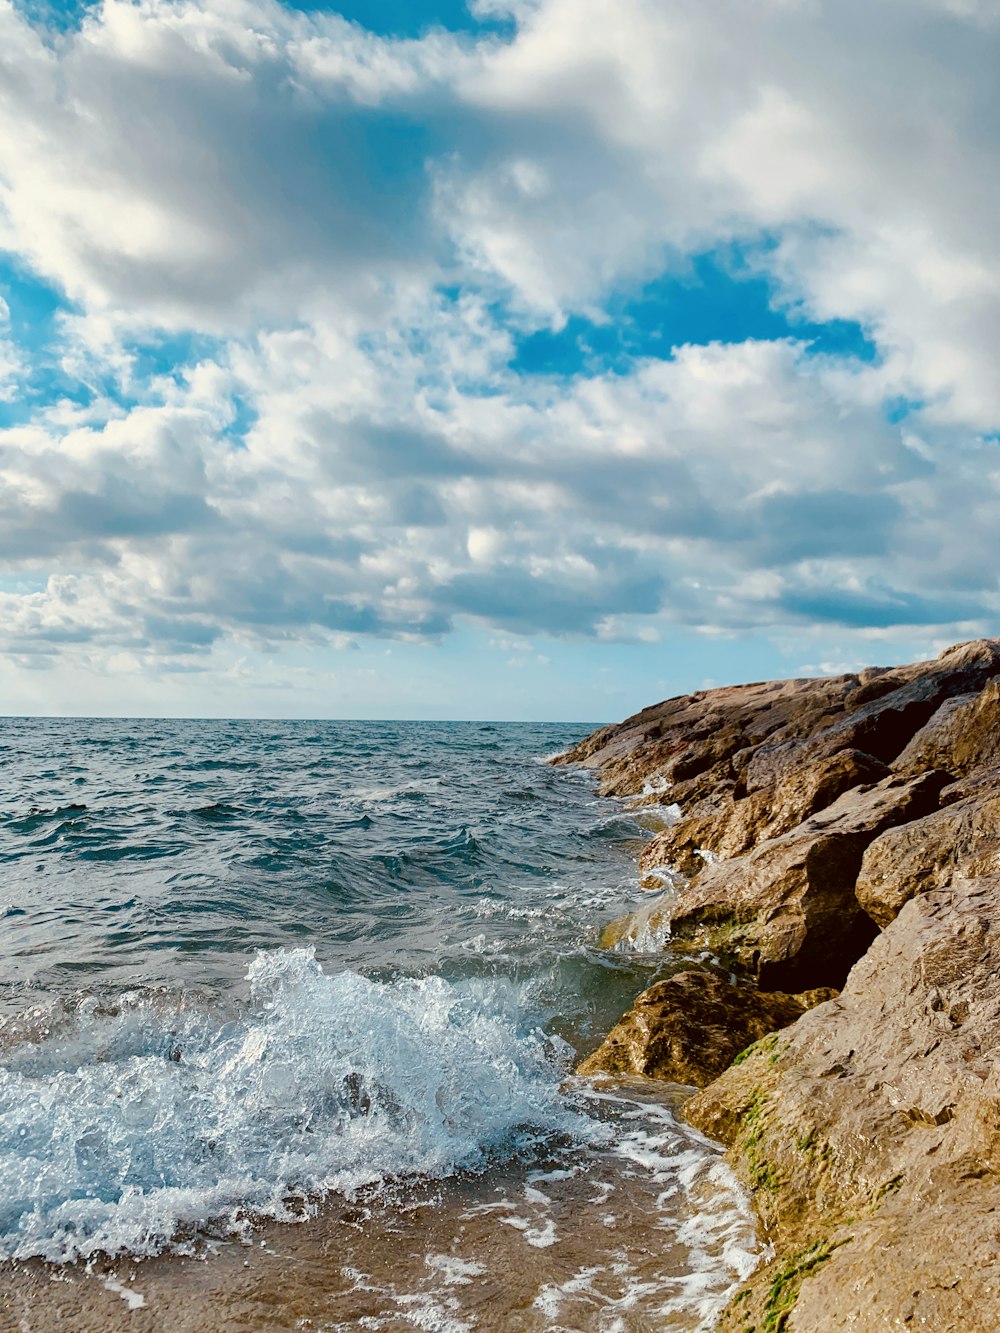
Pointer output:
126, 1127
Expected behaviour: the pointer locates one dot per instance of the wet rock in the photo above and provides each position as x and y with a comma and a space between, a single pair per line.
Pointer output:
870, 1134
645, 930
689, 1028
787, 911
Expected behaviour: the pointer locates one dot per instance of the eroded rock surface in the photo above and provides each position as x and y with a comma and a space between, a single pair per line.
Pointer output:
876, 1114
962, 736
750, 762
691, 1027
811, 816
962, 841
732, 826
787, 911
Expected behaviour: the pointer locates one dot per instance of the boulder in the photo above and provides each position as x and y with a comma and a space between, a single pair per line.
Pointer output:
884, 726
878, 716
673, 746
689, 1028
963, 735
960, 841
869, 1134
727, 826
787, 912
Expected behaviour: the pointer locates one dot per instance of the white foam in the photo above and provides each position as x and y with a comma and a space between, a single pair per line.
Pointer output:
667, 875
124, 1128
424, 1311
132, 1298
505, 911
666, 816
453, 1270
714, 1222
541, 1237
481, 944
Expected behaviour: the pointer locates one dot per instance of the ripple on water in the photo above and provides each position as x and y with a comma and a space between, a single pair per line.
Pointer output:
407, 1088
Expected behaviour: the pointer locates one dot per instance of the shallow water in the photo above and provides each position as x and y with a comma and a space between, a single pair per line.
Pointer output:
336, 975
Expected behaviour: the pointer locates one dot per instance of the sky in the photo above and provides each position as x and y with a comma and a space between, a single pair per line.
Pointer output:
519, 359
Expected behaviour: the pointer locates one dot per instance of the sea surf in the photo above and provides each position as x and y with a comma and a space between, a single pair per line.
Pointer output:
288, 1018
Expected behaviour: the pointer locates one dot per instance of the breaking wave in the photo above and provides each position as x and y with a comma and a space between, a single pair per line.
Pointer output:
121, 1128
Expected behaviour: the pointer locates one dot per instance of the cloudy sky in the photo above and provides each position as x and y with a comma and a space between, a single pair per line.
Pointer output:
535, 358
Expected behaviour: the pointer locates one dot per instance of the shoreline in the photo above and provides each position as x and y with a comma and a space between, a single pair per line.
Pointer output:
836, 846
555, 1221
517, 1247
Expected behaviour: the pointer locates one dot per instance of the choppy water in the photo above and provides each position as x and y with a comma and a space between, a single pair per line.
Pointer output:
309, 972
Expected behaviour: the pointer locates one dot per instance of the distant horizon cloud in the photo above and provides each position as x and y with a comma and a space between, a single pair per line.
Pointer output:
626, 326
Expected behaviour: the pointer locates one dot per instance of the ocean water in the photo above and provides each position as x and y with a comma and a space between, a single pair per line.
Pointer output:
288, 1013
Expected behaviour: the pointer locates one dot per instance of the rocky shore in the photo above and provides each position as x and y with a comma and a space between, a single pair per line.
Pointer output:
830, 867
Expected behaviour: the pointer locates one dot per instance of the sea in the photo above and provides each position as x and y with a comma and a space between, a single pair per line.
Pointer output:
289, 1013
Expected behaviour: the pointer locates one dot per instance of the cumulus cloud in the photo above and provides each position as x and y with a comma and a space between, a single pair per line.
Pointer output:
360, 228
206, 165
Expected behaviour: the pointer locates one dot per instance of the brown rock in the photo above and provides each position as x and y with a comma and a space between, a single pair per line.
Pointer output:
689, 1028
870, 1135
960, 841
728, 827
749, 763
878, 717
963, 735
884, 726
754, 734
679, 741
787, 911
868, 1130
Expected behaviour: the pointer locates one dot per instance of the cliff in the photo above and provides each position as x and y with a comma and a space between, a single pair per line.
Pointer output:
833, 861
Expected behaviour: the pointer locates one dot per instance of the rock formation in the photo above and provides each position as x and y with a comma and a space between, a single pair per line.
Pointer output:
690, 1028
832, 832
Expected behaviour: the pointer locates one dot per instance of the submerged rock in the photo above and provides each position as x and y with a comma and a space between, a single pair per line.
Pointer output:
689, 1028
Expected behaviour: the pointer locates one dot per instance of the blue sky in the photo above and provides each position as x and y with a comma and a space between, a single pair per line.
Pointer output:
533, 358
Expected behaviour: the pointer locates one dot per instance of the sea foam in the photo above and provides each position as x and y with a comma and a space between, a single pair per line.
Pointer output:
128, 1126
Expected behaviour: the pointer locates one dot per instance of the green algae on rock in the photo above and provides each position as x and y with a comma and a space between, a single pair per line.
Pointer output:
848, 826
882, 1112
690, 1027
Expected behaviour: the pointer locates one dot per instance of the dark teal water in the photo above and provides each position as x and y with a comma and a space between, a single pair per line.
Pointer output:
246, 966
165, 853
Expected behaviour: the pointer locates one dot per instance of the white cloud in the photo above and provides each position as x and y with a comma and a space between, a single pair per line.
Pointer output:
865, 138
303, 191
355, 506
209, 165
